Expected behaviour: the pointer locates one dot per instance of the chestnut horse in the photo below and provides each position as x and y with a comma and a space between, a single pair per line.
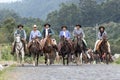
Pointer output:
48, 51
102, 53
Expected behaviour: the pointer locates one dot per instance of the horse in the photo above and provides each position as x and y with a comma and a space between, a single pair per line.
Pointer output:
65, 49
103, 53
91, 55
35, 50
79, 49
48, 51
19, 49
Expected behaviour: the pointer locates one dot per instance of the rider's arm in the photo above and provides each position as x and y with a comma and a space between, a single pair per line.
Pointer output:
25, 34
60, 34
69, 35
39, 34
99, 35
52, 32
74, 33
42, 33
30, 38
15, 33
83, 33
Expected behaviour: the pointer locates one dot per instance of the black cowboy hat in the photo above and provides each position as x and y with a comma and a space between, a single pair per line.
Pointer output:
47, 24
101, 27
79, 25
64, 27
20, 25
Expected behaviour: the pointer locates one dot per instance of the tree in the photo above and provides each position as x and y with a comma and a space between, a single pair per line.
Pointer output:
9, 25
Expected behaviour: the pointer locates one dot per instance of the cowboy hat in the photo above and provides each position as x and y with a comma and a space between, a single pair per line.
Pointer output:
20, 26
46, 25
79, 25
64, 27
101, 27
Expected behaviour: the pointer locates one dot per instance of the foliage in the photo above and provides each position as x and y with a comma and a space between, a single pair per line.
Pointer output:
87, 13
5, 52
117, 61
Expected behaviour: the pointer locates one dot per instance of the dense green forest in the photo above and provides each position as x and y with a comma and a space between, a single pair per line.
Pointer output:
88, 13
37, 8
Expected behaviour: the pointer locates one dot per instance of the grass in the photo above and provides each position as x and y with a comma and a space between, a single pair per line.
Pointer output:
117, 61
3, 73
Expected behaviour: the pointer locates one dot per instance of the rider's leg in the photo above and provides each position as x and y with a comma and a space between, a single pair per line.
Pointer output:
109, 50
96, 45
84, 41
44, 40
24, 44
13, 47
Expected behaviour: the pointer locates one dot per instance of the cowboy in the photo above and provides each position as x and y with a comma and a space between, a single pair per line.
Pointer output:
79, 31
101, 34
35, 34
22, 34
66, 34
47, 32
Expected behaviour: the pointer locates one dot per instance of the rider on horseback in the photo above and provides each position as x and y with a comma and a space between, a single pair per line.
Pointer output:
47, 32
66, 34
101, 34
35, 34
22, 34
77, 31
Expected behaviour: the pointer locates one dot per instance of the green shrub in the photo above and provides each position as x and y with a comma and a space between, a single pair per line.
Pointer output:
5, 52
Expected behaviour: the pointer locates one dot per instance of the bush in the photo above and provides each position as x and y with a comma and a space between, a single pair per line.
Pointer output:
5, 53
117, 61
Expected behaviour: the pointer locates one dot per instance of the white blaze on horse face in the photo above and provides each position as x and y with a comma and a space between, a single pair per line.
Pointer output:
54, 41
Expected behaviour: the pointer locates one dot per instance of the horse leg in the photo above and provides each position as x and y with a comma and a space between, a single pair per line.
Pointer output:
57, 57
77, 58
48, 59
22, 55
63, 59
34, 55
37, 56
18, 57
97, 58
81, 58
45, 58
68, 58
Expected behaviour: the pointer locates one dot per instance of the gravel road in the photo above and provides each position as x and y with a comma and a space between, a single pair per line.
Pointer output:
71, 72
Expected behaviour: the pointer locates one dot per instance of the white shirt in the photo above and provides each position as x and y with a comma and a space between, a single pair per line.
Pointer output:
64, 34
46, 34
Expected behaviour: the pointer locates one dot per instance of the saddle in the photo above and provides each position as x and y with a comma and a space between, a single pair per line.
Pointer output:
98, 45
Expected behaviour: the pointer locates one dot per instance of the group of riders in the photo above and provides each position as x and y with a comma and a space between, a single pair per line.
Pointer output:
48, 31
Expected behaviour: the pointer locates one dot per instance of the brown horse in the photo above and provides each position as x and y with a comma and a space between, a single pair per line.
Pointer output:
79, 49
91, 54
103, 53
65, 50
35, 50
48, 51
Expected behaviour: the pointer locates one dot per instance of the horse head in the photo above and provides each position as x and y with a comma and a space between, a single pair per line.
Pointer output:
48, 41
79, 40
17, 38
104, 45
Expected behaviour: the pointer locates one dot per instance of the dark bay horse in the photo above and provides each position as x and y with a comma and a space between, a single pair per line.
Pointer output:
48, 51
103, 53
65, 49
79, 49
35, 50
